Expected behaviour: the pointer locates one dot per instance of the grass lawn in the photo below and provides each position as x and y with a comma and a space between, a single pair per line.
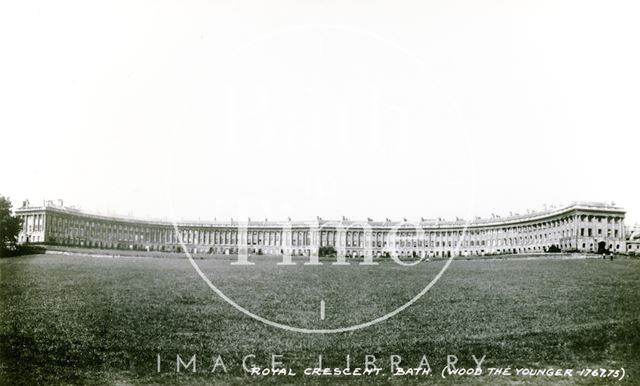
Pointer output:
97, 320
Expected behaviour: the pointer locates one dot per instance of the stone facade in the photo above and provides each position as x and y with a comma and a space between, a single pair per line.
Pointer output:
585, 227
633, 240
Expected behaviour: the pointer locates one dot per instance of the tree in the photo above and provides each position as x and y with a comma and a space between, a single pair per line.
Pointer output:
10, 226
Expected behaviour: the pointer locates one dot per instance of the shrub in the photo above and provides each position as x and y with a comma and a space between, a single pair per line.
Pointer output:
327, 251
21, 250
554, 249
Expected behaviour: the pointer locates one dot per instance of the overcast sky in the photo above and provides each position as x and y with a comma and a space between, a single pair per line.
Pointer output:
220, 109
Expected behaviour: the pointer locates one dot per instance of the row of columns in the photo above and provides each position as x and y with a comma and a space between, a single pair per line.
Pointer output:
566, 232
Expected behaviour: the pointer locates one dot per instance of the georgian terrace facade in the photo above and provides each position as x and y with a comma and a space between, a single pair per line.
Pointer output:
584, 227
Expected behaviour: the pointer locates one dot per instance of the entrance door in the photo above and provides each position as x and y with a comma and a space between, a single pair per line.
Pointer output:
602, 247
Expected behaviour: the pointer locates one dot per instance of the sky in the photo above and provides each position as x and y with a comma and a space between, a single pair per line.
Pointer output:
207, 110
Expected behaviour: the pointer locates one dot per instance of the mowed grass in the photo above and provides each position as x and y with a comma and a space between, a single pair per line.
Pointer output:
79, 319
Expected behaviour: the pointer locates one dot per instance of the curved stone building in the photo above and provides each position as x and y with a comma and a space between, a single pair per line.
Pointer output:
581, 226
